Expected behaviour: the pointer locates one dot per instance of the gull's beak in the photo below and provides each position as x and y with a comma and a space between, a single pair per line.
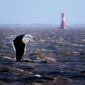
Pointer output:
34, 38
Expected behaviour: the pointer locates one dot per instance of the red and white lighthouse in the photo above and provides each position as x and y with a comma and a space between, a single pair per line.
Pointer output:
63, 22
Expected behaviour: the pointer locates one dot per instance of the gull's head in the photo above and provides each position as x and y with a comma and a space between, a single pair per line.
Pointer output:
27, 38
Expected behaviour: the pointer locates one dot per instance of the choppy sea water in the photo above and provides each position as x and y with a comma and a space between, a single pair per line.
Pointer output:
37, 66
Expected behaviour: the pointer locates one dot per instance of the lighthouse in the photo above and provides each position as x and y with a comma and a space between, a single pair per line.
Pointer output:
63, 22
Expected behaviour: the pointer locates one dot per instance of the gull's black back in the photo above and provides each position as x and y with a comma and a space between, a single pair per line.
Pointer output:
19, 46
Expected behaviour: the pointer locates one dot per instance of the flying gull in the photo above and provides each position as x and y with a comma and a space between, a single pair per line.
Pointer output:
19, 45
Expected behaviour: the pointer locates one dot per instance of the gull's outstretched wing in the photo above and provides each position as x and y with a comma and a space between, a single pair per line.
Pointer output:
19, 47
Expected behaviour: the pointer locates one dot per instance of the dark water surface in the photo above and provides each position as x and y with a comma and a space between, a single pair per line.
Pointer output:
56, 57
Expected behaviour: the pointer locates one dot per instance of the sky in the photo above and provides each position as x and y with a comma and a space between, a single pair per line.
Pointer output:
41, 11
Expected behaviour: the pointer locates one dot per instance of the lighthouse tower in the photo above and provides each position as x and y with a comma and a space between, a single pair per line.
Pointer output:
63, 22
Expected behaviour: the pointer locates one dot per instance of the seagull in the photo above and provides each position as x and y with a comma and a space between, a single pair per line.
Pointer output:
19, 45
